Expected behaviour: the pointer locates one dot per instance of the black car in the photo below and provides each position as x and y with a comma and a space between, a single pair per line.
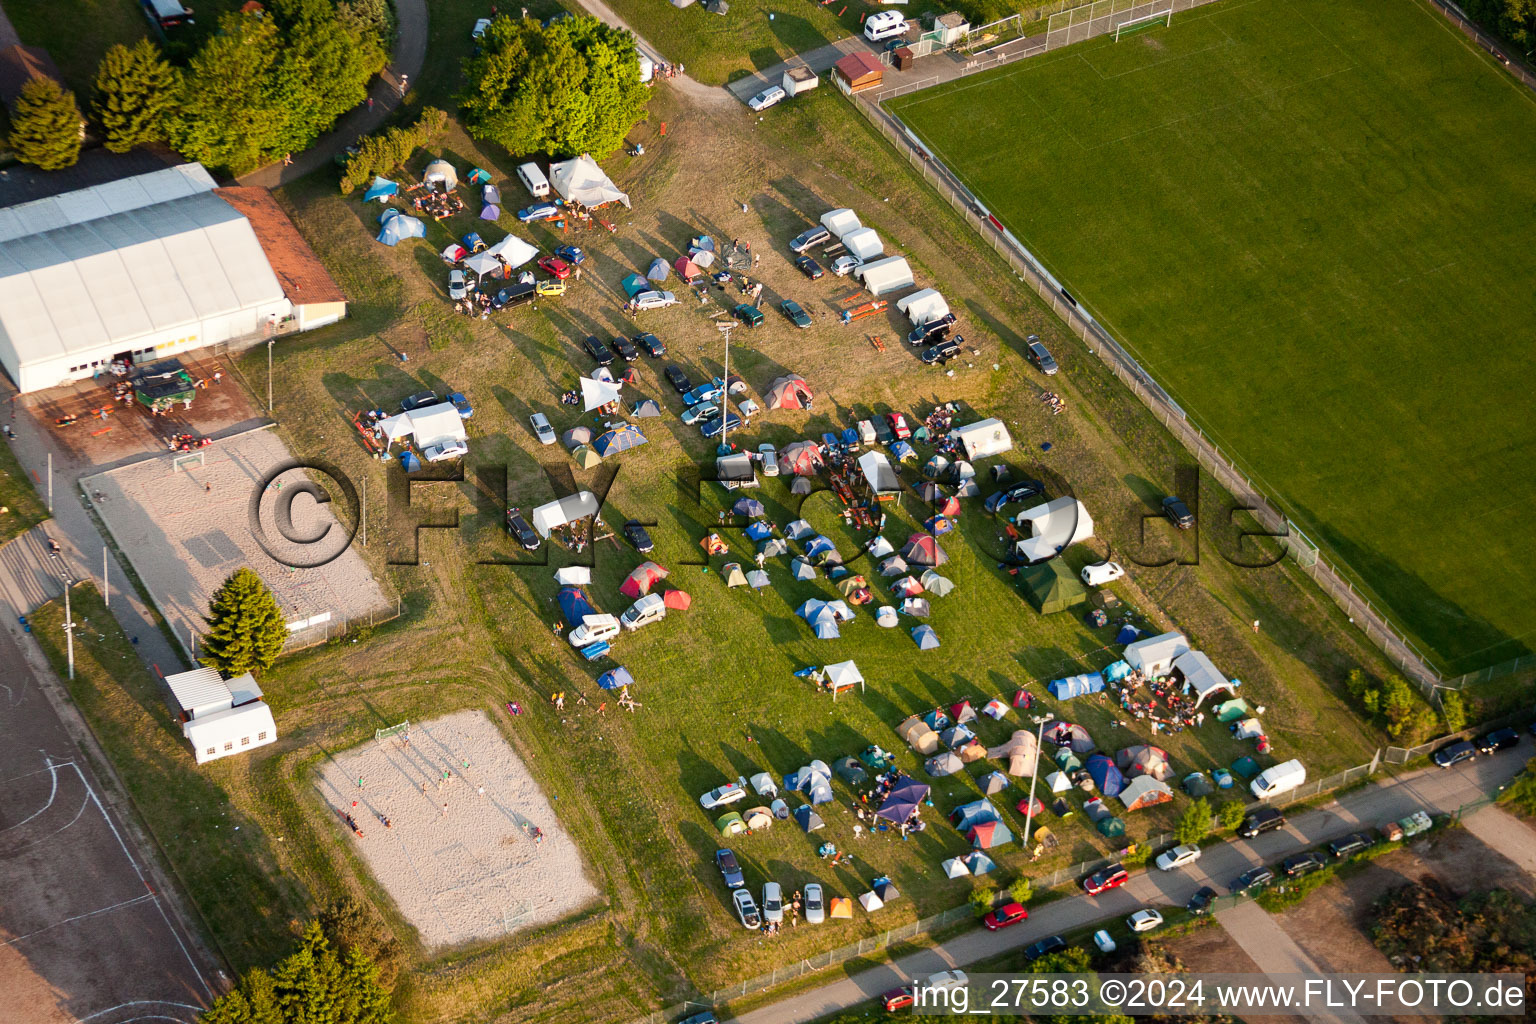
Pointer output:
678, 379
725, 860
597, 350
1252, 877
518, 527
636, 535
651, 345
706, 1017
1045, 947
1350, 844
625, 348
814, 235
941, 353
1499, 739
809, 267
1177, 512
1040, 355
1303, 864
1265, 819
514, 295
796, 313
1013, 494
418, 400
933, 330
713, 426
1454, 753
1200, 902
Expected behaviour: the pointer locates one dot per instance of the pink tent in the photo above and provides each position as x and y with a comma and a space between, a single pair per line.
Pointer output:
645, 576
791, 392
687, 269
676, 600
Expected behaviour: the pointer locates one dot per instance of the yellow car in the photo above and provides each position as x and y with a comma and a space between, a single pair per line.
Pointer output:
550, 288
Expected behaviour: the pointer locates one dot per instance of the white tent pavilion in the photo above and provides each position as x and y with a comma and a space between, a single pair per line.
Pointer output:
1200, 675
564, 510
426, 426
864, 243
845, 675
1155, 655
581, 180
513, 250
1054, 527
923, 307
597, 393
879, 473
888, 275
840, 221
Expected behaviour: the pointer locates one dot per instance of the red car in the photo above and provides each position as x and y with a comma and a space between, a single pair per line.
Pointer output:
1111, 877
899, 426
1005, 915
896, 999
556, 267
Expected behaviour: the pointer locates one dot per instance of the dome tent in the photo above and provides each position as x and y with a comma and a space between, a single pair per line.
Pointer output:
440, 172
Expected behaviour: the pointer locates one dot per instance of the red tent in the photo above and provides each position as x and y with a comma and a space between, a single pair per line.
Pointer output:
687, 269
676, 599
645, 576
950, 506
801, 459
922, 549
791, 392
1024, 807
962, 712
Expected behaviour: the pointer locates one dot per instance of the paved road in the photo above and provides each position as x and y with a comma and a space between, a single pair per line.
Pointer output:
685, 84
1273, 950
1431, 789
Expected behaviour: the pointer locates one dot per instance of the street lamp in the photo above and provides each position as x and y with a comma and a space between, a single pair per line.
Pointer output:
1034, 775
725, 395
270, 340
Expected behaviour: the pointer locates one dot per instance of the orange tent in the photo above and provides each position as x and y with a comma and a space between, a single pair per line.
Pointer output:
713, 545
841, 906
676, 599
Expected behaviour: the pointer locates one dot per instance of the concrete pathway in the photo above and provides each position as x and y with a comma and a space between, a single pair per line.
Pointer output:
1268, 945
1430, 789
407, 61
687, 85
819, 60
31, 574
1505, 834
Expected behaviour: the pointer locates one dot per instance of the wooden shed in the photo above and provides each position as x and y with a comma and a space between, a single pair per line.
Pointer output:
858, 71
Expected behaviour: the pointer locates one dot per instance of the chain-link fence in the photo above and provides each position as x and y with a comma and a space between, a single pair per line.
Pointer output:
1525, 662
323, 628
1403, 755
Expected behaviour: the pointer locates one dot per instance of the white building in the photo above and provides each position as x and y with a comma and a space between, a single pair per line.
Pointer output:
221, 717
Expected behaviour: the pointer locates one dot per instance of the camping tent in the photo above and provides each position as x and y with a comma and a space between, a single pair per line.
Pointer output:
907, 586
480, 176
1145, 791
850, 770
989, 835
584, 457
1076, 686
923, 549
879, 473
1198, 784
574, 606
634, 284
581, 180
879, 547
918, 735
893, 566
800, 569
947, 763
1231, 710
925, 638
1051, 587
758, 817
1058, 782
845, 675
985, 438
640, 580
979, 863
808, 819
966, 816
801, 458
922, 307
1053, 527
956, 736
620, 439
863, 243
677, 600
615, 679
687, 269
490, 193
731, 572
1020, 747
1155, 655
883, 276
758, 579
799, 529
645, 409
1197, 673
565, 510
840, 222
904, 798
789, 392
1072, 736
1105, 775
870, 902
573, 575
885, 617
454, 252
490, 212
381, 189
1144, 760
597, 393
840, 907
954, 867
773, 547
659, 270
440, 172
396, 229
993, 782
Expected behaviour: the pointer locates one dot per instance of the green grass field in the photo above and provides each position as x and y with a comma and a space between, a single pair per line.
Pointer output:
23, 508
1311, 221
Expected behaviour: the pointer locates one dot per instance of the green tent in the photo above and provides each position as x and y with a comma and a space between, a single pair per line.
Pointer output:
1051, 587
1111, 828
1067, 761
1232, 710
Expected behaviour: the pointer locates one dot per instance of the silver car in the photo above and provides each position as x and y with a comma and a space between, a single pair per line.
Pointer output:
456, 287
770, 459
745, 908
655, 300
541, 428
767, 98
773, 903
815, 906
845, 265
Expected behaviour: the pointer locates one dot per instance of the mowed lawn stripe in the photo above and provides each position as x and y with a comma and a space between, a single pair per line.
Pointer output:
1311, 223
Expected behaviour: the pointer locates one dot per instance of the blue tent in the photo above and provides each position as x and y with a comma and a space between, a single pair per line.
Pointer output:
759, 531
574, 605
808, 610
618, 440
1105, 775
748, 507
615, 678
634, 284
967, 816
925, 637
381, 189
936, 720
978, 862
490, 211
473, 242
817, 545
903, 451
1117, 671
479, 176
490, 195
398, 227
409, 462
1076, 686
851, 437
1127, 634
905, 797
956, 736
827, 630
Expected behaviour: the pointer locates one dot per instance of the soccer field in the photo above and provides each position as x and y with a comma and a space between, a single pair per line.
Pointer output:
1312, 221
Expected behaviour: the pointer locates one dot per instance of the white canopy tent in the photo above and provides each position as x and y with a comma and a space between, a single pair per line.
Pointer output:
429, 425
863, 243
1155, 655
581, 180
565, 510
1200, 675
597, 393
513, 250
481, 264
888, 275
879, 473
923, 307
983, 438
231, 731
1054, 527
840, 221
845, 675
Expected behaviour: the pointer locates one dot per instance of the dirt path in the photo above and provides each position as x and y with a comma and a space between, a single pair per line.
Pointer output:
1272, 949
1506, 834
705, 95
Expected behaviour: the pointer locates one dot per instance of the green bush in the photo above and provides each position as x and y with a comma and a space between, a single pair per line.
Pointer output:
1397, 708
982, 898
1232, 814
1195, 823
45, 125
383, 154
1022, 890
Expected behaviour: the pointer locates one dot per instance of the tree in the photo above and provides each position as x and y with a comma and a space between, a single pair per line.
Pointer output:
1454, 710
1073, 960
982, 898
1232, 814
323, 70
1195, 823
136, 90
353, 927
1022, 890
246, 630
315, 984
1515, 20
227, 119
45, 127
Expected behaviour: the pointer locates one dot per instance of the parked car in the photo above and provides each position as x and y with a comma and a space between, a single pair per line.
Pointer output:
678, 379
1350, 844
725, 860
813, 235
541, 428
1499, 739
745, 908
767, 98
1252, 877
938, 355
1111, 876
1452, 754
721, 796
555, 267
770, 459
899, 426
1100, 573
1177, 512
884, 25
809, 267
1103, 941
1200, 902
702, 1017
651, 345
944, 981
1004, 916
704, 393
815, 904
518, 527
1265, 819
714, 427
748, 314
933, 330
1045, 947
773, 903
625, 348
418, 400
1179, 857
572, 254
1144, 920
654, 300
1014, 494
650, 608
897, 999
1303, 864
458, 400
480, 26
549, 288
594, 629
1040, 355
795, 312
537, 212
637, 535
699, 413
597, 350
845, 265
457, 289
514, 295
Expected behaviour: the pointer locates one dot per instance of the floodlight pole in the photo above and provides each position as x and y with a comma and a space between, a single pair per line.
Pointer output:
69, 626
725, 393
270, 340
1034, 775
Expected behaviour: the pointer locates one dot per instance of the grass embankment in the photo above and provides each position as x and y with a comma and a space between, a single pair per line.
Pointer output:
24, 509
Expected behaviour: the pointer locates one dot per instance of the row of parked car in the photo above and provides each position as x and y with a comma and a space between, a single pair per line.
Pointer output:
1452, 754
772, 909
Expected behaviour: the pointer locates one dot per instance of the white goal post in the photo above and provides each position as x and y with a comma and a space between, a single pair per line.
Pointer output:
1146, 21
188, 459
380, 735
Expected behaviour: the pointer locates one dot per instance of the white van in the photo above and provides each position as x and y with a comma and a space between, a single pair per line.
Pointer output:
650, 608
1278, 779
593, 629
533, 179
884, 25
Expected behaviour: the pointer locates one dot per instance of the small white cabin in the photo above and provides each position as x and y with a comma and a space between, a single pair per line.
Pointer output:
221, 717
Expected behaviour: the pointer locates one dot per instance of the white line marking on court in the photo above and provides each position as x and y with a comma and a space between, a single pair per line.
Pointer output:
53, 790
80, 917
141, 1002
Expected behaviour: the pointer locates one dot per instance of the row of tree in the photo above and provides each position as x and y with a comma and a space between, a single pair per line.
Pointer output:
382, 154
266, 83
1515, 20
